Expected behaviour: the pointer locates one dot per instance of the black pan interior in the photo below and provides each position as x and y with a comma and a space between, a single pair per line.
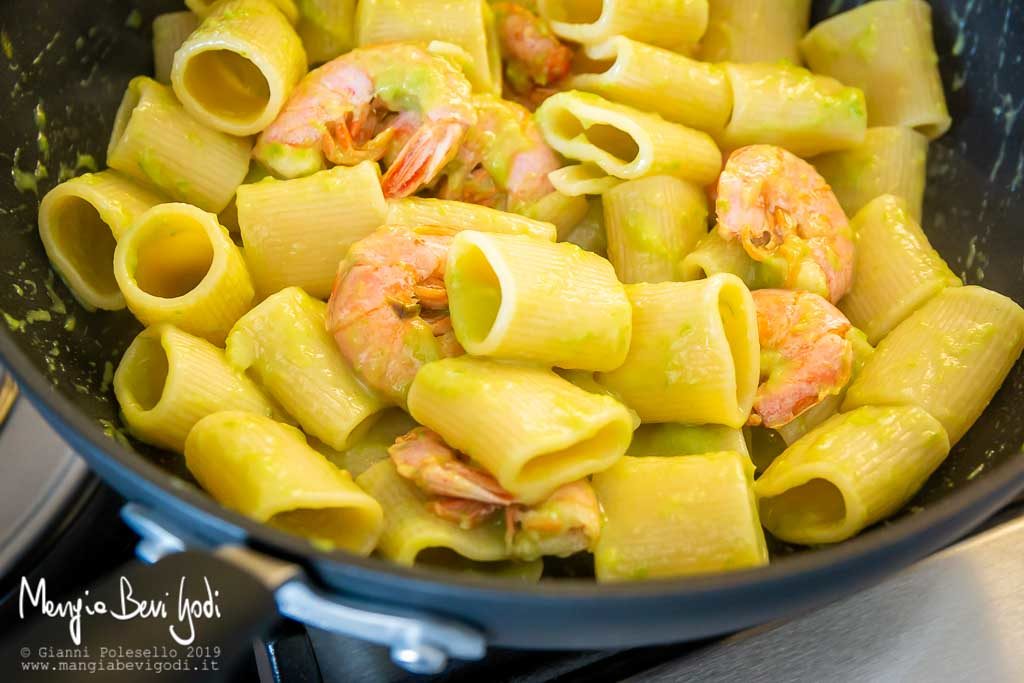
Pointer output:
65, 64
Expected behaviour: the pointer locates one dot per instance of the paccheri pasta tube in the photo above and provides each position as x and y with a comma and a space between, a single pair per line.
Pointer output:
683, 90
297, 231
531, 429
670, 438
416, 211
676, 24
678, 516
948, 357
652, 224
177, 264
285, 344
170, 31
579, 180
267, 471
236, 71
412, 533
886, 49
625, 142
168, 380
747, 31
79, 224
896, 270
156, 142
203, 8
850, 472
694, 353
519, 298
327, 28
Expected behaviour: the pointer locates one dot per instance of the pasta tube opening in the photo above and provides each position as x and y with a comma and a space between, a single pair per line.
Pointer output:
479, 294
732, 310
586, 455
144, 375
816, 506
344, 527
611, 140
173, 255
83, 249
227, 84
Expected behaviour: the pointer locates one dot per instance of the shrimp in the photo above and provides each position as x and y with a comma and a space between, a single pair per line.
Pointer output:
388, 310
784, 212
503, 162
344, 112
567, 522
805, 354
535, 60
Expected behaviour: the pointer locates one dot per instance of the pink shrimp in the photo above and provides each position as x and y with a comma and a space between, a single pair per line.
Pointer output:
567, 522
503, 162
805, 354
783, 212
344, 111
388, 311
535, 60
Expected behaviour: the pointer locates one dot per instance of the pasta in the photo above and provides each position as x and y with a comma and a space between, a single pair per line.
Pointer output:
266, 470
285, 344
80, 222
885, 48
168, 380
531, 429
523, 299
948, 357
671, 23
548, 278
177, 264
170, 31
891, 160
625, 142
297, 231
788, 106
852, 471
652, 223
694, 353
235, 72
896, 270
678, 516
466, 23
683, 90
156, 142
327, 28
748, 31
413, 211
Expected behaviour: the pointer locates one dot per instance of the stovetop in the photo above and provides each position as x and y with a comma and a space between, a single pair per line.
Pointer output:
958, 615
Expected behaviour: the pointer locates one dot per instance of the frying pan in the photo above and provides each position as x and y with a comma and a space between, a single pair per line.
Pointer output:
73, 59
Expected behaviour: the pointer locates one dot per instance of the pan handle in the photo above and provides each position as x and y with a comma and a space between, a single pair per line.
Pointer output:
419, 643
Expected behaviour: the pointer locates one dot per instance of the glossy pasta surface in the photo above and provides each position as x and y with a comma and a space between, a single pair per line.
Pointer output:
468, 284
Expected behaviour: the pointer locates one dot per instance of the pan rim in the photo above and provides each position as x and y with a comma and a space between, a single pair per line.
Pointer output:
1003, 483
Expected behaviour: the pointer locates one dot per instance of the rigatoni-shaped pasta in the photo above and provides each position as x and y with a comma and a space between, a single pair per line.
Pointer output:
694, 357
785, 105
580, 180
561, 210
466, 23
626, 142
652, 223
949, 357
177, 264
168, 380
79, 223
267, 471
669, 23
296, 232
416, 211
670, 438
531, 429
589, 233
885, 48
896, 270
170, 31
681, 89
748, 31
891, 160
714, 255
412, 532
852, 471
156, 141
236, 71
520, 298
203, 8
678, 516
285, 344
327, 28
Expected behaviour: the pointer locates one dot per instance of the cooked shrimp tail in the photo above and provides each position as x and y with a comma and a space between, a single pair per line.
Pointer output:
534, 57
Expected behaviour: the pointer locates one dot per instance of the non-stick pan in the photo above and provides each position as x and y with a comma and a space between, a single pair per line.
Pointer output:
65, 65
